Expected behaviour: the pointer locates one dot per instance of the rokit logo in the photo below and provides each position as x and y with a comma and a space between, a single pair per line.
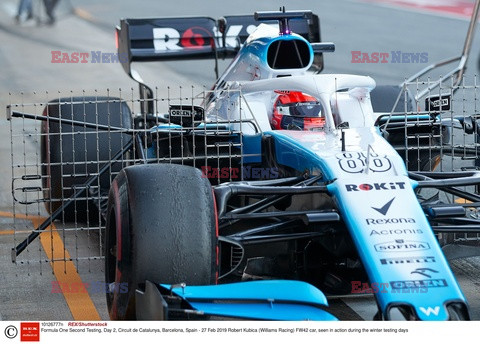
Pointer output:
375, 186
407, 260
396, 231
401, 245
170, 39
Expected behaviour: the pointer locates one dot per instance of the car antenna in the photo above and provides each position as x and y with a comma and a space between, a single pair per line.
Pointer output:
283, 18
283, 23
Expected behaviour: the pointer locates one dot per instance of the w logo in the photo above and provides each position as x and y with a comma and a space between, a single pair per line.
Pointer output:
430, 310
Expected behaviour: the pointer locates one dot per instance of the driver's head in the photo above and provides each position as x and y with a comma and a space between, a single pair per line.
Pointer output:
293, 110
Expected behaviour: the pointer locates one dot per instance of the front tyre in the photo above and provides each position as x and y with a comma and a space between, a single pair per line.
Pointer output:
161, 227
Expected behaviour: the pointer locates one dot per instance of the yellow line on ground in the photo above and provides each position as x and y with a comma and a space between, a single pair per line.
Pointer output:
83, 14
462, 200
80, 304
18, 216
6, 232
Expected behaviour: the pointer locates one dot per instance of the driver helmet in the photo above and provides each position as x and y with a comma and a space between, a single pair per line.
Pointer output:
293, 110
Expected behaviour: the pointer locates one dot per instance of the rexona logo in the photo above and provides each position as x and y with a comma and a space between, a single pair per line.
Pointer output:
426, 283
375, 186
401, 245
396, 231
390, 221
407, 260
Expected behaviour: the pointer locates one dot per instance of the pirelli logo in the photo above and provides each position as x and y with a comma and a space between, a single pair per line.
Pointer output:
407, 260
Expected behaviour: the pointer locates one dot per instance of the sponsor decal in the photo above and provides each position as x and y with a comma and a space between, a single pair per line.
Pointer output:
429, 310
359, 287
396, 220
407, 260
10, 332
427, 272
384, 209
29, 332
438, 103
196, 37
376, 186
396, 231
426, 283
357, 162
397, 56
401, 245
170, 39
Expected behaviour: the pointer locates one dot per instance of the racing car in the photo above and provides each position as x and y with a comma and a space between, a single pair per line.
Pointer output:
256, 198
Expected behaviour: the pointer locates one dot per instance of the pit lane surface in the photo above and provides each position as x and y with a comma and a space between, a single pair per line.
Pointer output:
25, 60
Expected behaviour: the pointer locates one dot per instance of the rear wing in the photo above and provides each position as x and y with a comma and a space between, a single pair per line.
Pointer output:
166, 39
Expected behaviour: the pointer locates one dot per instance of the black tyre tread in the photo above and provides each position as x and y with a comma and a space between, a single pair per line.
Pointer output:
110, 111
171, 234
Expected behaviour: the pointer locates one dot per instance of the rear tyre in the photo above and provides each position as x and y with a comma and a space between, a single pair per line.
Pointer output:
161, 227
71, 153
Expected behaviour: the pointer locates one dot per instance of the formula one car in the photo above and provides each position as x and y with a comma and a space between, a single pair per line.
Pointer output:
278, 182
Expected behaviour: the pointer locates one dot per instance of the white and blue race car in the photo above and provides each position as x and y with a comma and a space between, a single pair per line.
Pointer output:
281, 185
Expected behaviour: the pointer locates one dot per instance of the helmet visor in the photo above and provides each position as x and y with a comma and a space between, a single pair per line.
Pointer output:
301, 110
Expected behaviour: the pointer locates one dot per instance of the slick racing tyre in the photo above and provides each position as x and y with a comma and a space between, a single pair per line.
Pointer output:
161, 227
70, 154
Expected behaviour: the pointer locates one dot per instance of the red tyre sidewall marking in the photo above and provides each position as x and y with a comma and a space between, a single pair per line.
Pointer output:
118, 230
216, 236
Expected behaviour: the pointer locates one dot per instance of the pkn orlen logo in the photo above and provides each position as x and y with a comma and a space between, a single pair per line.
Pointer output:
10, 332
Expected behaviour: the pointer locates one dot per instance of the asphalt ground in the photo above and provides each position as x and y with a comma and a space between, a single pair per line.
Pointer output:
27, 290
